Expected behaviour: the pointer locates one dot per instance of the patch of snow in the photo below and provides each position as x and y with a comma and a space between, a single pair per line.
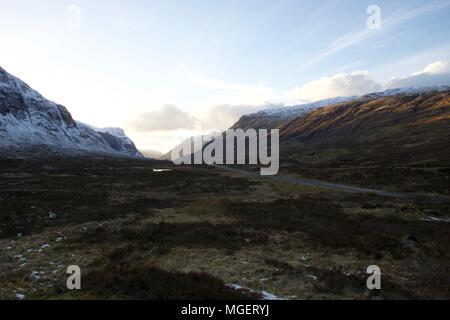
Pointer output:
303, 258
264, 294
299, 110
51, 216
436, 219
409, 90
269, 296
20, 296
311, 276
20, 257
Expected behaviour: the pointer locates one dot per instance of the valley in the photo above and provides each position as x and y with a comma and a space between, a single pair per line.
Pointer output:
200, 232
362, 181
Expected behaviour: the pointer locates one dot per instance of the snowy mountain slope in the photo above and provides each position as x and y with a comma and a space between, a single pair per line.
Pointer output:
303, 108
29, 122
118, 140
275, 117
410, 90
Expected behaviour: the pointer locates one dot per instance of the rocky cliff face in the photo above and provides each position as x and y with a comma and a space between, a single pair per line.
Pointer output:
29, 123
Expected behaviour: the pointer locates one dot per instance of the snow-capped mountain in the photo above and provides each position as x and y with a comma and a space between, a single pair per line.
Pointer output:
410, 90
303, 108
117, 139
31, 123
274, 117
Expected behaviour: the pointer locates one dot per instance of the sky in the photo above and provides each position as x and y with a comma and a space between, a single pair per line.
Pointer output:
165, 70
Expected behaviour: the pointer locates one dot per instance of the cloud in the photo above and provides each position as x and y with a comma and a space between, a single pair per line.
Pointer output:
434, 74
341, 84
167, 118
437, 68
162, 141
221, 117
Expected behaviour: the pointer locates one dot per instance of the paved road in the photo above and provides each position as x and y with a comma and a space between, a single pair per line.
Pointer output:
340, 186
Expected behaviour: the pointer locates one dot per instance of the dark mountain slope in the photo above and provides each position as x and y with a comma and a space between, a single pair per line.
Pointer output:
376, 141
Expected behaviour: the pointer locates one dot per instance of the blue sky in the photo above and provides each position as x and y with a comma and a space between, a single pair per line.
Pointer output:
212, 61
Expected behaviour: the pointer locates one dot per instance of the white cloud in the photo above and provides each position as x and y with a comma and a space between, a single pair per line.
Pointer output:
437, 67
167, 118
434, 74
162, 141
221, 117
341, 84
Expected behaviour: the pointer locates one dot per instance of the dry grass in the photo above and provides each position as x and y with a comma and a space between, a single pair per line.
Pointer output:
138, 231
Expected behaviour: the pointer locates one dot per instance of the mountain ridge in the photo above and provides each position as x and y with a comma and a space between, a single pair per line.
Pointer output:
398, 139
32, 124
275, 118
